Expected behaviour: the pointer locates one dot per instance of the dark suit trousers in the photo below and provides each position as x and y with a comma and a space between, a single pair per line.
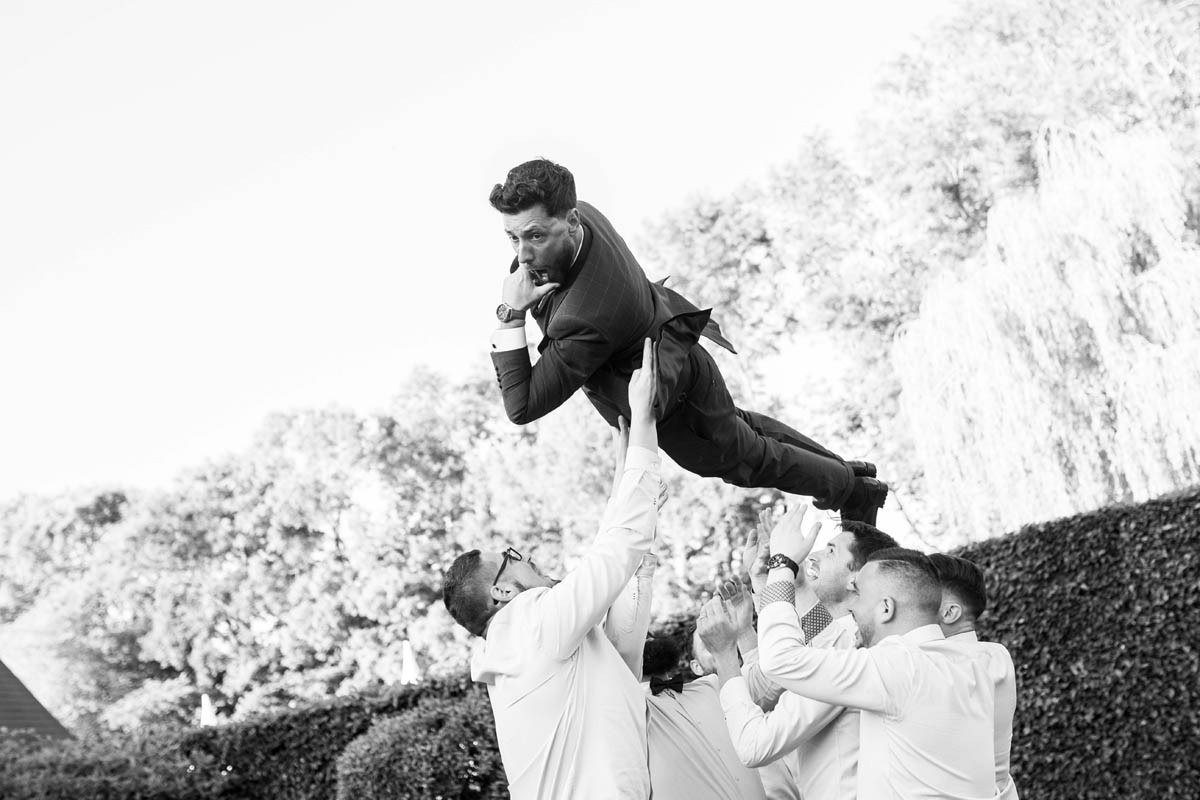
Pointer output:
705, 433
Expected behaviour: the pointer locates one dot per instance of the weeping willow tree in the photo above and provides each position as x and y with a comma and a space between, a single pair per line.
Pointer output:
1060, 369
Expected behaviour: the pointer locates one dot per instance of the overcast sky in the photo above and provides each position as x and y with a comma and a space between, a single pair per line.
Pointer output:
210, 211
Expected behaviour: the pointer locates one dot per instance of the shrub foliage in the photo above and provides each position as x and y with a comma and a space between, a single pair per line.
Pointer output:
292, 755
1099, 611
149, 766
443, 748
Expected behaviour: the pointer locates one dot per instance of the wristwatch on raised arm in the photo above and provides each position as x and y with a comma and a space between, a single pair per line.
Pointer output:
780, 560
506, 313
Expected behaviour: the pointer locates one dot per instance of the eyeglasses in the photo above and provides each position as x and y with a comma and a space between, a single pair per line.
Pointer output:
509, 555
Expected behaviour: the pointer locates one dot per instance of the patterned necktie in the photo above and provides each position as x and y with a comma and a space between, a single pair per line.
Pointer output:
815, 621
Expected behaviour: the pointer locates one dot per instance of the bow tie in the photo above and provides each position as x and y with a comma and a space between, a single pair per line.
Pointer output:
660, 685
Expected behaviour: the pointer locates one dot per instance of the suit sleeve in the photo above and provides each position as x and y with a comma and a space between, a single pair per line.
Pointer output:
531, 391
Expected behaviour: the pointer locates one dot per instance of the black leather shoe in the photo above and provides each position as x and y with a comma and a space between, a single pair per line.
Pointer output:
862, 469
865, 500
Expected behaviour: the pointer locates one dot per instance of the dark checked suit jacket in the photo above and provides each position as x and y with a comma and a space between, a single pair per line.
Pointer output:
593, 327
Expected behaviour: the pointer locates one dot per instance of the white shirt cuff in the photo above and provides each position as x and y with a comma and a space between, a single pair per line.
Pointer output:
641, 458
509, 339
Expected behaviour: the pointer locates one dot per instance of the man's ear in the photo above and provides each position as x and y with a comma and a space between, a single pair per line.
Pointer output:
951, 613
503, 592
887, 609
696, 669
573, 219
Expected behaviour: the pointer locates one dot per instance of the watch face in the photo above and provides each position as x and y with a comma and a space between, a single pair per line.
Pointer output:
503, 312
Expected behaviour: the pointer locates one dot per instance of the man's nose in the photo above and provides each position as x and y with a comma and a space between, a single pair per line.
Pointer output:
525, 253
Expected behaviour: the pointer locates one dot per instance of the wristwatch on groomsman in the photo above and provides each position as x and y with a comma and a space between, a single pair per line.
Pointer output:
780, 560
506, 313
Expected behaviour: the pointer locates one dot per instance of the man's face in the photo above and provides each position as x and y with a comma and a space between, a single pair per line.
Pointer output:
542, 243
866, 602
829, 569
703, 662
520, 575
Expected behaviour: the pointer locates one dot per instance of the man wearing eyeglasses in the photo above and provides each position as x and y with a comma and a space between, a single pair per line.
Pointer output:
570, 716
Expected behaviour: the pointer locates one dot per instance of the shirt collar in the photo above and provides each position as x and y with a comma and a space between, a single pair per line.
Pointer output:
579, 249
925, 633
917, 636
965, 636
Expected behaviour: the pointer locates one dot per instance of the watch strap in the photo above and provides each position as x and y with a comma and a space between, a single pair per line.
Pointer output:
780, 560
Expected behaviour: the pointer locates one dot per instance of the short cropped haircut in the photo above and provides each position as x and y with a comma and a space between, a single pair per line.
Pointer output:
661, 657
537, 182
963, 579
915, 571
866, 540
465, 595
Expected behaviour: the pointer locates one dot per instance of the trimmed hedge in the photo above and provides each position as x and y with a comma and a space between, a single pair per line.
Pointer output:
1101, 613
149, 766
441, 749
292, 755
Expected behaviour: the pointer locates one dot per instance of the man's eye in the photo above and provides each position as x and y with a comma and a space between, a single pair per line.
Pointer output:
537, 237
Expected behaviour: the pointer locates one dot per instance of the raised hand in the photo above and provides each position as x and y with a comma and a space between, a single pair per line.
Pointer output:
520, 292
716, 627
643, 384
756, 550
643, 388
793, 536
738, 603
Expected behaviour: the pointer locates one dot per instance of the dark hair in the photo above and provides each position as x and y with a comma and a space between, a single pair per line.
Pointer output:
661, 657
465, 595
537, 182
866, 540
963, 579
916, 572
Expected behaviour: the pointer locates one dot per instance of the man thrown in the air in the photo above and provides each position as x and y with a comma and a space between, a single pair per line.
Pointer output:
577, 278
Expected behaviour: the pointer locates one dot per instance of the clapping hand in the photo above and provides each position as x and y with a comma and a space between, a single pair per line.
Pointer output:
717, 627
796, 532
737, 601
756, 551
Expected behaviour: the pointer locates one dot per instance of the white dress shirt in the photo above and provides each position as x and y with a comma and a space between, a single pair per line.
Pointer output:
570, 716
926, 721
1000, 665
691, 757
823, 737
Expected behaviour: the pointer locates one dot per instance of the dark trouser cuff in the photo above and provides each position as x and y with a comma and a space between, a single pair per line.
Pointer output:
838, 501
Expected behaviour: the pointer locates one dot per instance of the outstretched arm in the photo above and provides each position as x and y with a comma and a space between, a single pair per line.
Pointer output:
628, 620
577, 604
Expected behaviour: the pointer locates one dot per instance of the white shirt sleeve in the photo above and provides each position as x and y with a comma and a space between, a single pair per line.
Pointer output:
864, 678
761, 738
628, 620
764, 692
576, 605
509, 339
